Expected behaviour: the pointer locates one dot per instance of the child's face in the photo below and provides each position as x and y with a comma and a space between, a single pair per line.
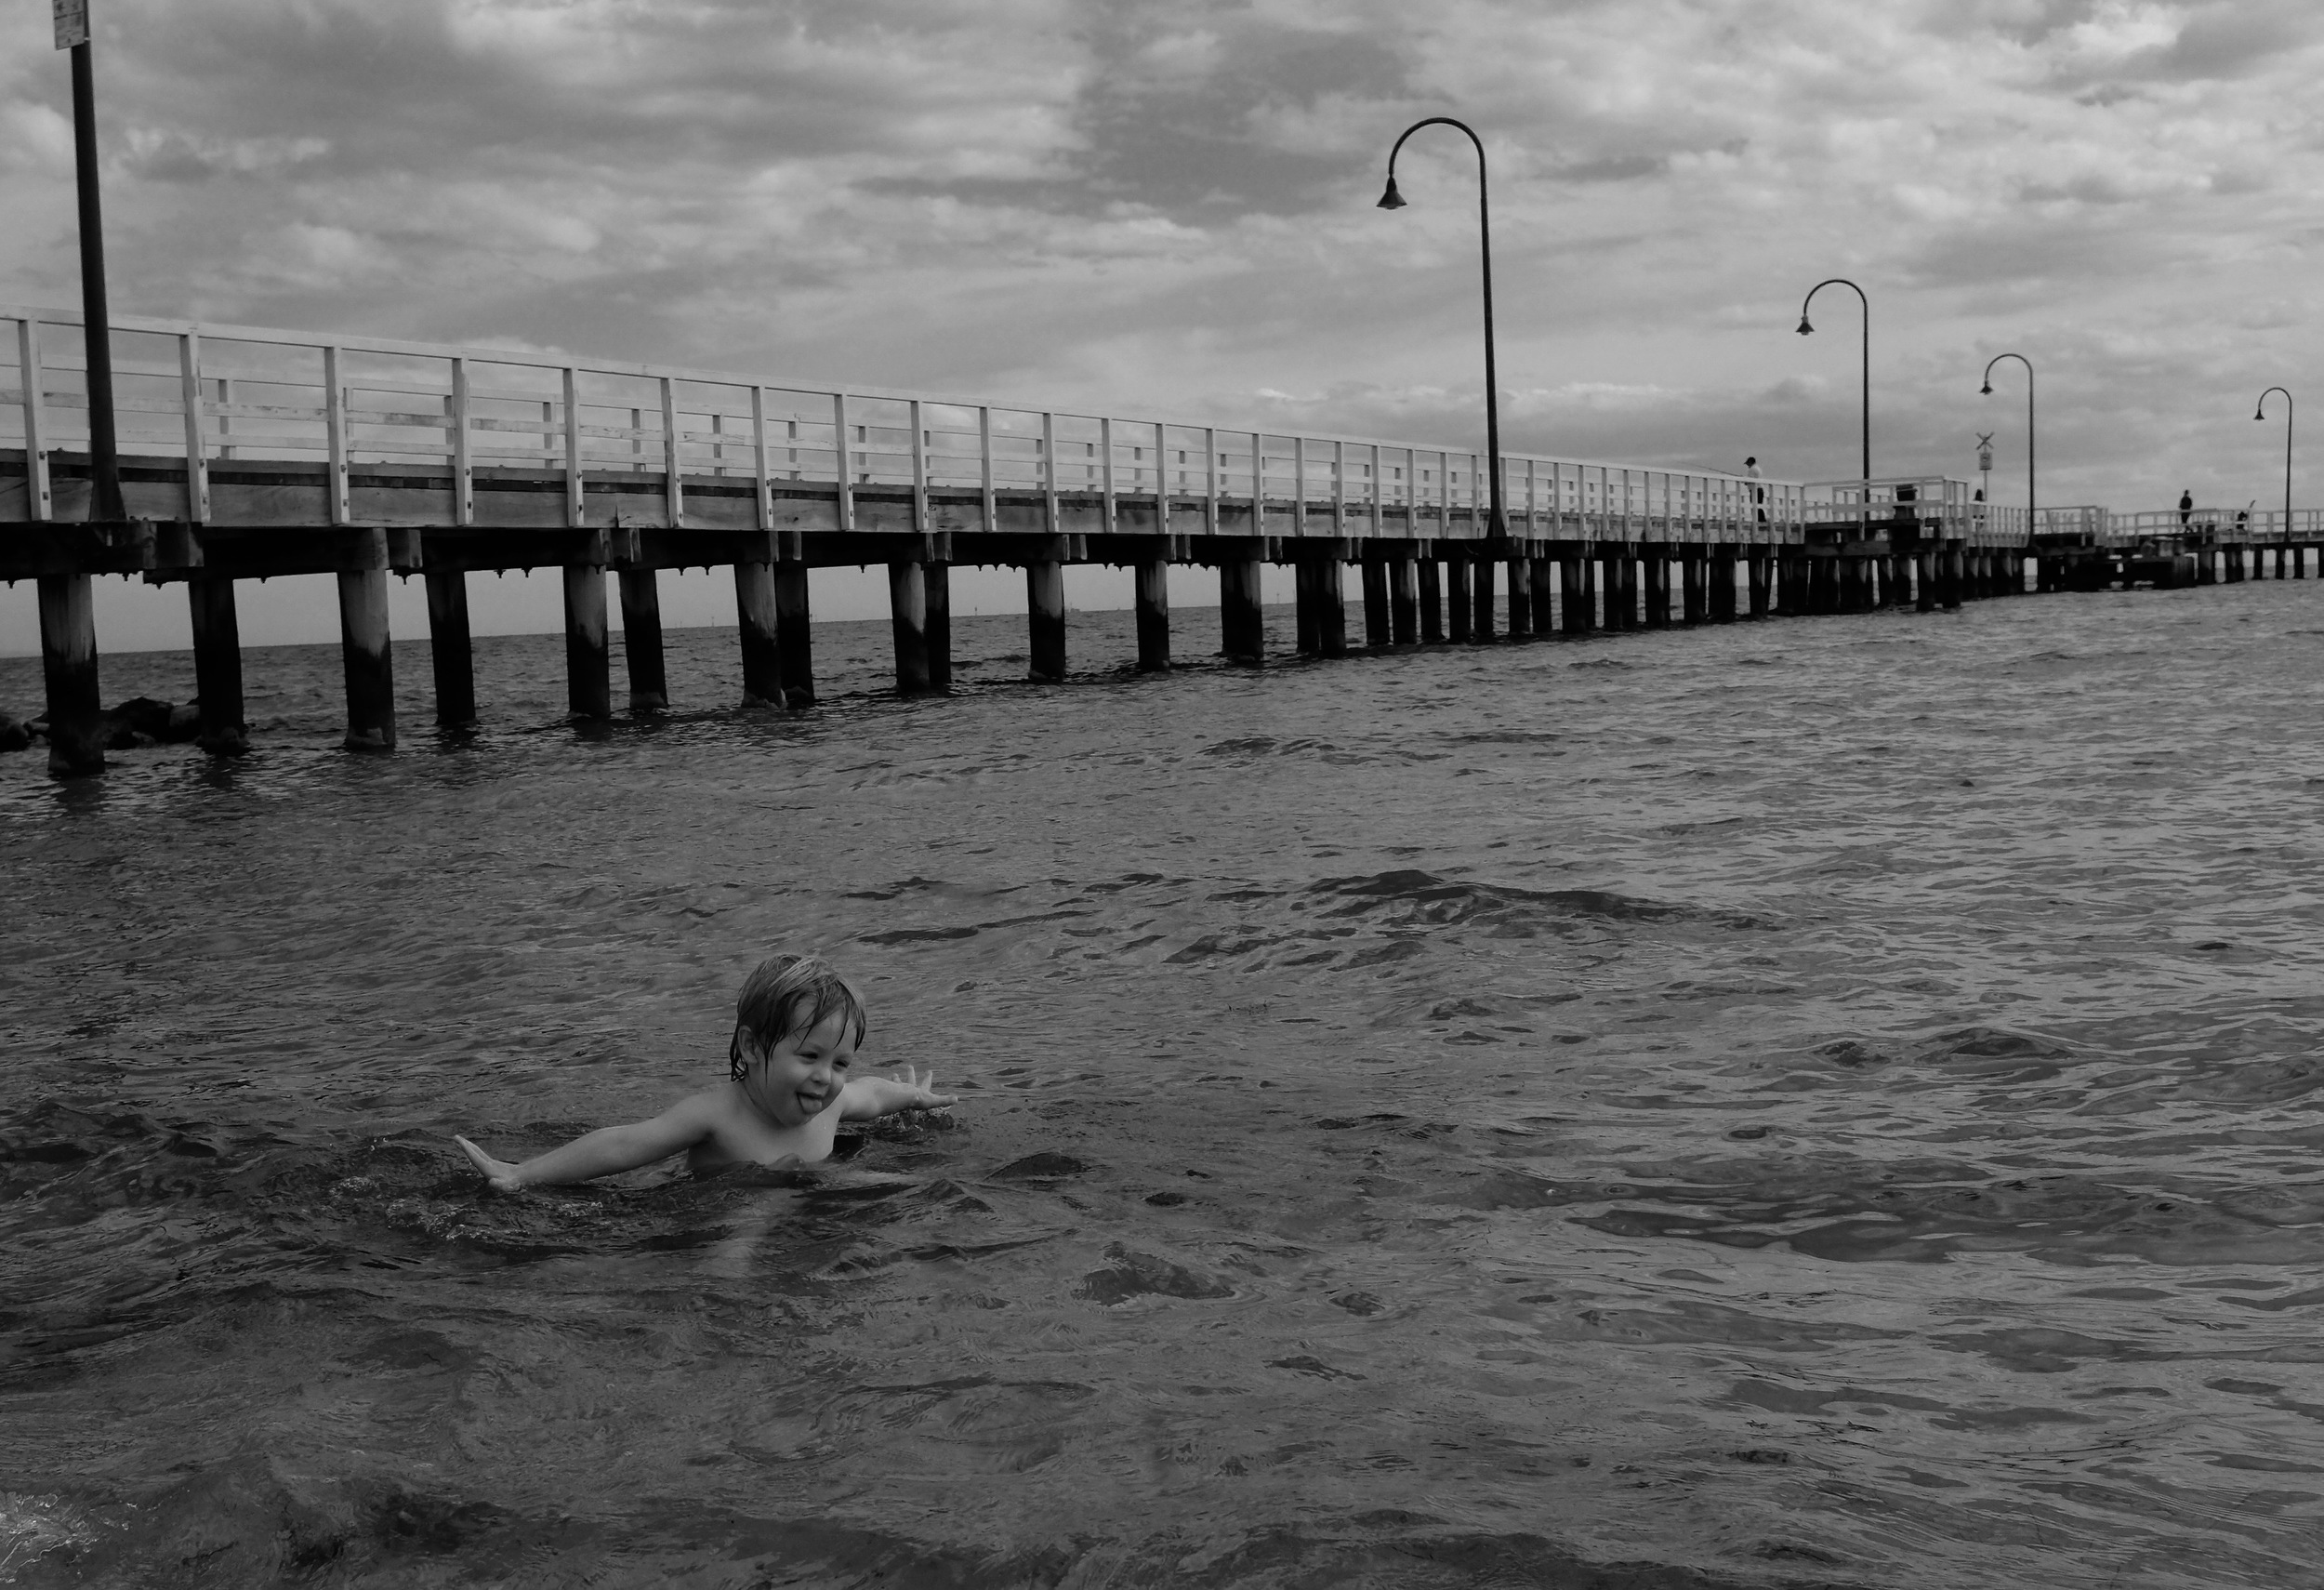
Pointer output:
799, 1076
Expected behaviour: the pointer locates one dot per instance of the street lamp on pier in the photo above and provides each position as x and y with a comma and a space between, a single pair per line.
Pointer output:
1393, 200
2262, 414
1987, 391
1806, 329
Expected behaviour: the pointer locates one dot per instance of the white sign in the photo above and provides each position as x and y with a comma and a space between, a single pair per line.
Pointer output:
71, 22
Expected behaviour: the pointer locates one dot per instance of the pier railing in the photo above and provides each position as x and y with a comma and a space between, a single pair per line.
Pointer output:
213, 395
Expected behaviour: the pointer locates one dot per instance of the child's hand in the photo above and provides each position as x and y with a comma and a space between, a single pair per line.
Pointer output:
923, 1090
498, 1176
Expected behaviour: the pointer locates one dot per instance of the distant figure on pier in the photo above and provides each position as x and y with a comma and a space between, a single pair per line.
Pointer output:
2186, 508
1758, 493
797, 1027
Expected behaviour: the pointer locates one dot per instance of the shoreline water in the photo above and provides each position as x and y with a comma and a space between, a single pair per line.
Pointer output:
1828, 1102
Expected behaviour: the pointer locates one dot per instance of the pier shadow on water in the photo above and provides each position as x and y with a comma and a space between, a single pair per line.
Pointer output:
1811, 1104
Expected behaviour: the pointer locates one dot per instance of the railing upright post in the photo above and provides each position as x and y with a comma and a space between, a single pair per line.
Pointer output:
1105, 475
1162, 478
463, 462
673, 479
762, 480
1299, 485
1379, 520
335, 433
1049, 470
1211, 489
39, 501
576, 506
984, 455
845, 466
190, 395
920, 469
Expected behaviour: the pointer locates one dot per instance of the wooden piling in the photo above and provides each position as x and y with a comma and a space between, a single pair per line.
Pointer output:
368, 662
1331, 606
1520, 598
588, 651
1459, 598
216, 665
1306, 623
1045, 617
1578, 594
936, 585
1154, 615
1376, 628
1432, 582
791, 667
907, 623
1482, 572
68, 665
1543, 606
1657, 589
641, 639
1721, 594
1693, 586
1758, 572
1955, 576
756, 608
1404, 601
1241, 623
1622, 587
1924, 580
451, 652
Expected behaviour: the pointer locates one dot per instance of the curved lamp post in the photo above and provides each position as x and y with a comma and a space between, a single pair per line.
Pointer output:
1987, 391
1806, 330
1392, 200
2262, 414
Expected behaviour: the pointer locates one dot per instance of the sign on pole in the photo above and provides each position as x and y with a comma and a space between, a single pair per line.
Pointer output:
71, 22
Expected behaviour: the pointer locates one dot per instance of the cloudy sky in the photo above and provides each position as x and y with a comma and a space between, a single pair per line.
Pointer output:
1170, 204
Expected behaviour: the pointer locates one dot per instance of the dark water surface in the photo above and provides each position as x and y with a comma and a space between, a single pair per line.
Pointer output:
1827, 1102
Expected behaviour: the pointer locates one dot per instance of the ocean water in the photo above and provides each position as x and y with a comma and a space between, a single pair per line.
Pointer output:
1826, 1102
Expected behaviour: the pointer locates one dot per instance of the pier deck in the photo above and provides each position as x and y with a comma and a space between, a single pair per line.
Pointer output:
248, 453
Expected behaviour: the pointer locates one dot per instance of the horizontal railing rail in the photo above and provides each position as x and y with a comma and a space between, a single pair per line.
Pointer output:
212, 394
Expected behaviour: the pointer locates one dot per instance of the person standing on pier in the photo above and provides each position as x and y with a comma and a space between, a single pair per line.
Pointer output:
1758, 493
2186, 508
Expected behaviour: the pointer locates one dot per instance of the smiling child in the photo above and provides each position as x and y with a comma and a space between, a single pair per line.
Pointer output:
796, 1026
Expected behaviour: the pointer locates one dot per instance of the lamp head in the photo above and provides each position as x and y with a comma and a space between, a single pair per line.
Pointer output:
1986, 390
1804, 327
1392, 200
2261, 415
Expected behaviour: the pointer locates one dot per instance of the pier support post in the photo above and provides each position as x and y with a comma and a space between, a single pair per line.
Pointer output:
641, 639
1404, 600
1577, 595
1954, 576
792, 672
1624, 597
756, 607
1544, 602
1460, 598
1303, 626
936, 587
1331, 605
1484, 574
451, 654
908, 623
589, 652
1722, 592
1154, 615
1657, 589
1432, 582
1520, 598
1924, 580
217, 666
366, 659
1693, 586
1045, 615
1757, 568
1242, 623
68, 665
1376, 628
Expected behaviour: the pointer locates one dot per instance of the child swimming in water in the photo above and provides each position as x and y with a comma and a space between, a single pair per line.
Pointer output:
797, 1027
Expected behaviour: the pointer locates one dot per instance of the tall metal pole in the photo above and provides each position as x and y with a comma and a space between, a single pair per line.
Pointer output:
2262, 414
1806, 329
1987, 391
104, 454
1392, 200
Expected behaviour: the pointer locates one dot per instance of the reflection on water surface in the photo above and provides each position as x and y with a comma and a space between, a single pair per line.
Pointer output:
1808, 1103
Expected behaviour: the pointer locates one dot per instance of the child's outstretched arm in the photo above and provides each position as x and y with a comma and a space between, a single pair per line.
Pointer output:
603, 1152
867, 1097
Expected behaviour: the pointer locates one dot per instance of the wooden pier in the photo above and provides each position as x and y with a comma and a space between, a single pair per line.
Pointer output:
249, 453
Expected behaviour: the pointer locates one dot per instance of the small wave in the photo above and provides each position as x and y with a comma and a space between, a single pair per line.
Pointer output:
1412, 894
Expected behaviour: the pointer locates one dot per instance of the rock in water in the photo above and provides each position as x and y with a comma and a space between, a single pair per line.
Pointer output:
14, 737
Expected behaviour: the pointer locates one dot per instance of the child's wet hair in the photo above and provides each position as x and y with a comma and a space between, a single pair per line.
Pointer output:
788, 994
